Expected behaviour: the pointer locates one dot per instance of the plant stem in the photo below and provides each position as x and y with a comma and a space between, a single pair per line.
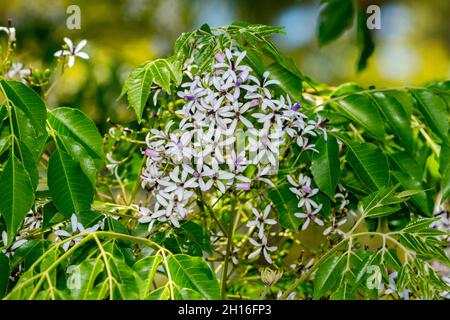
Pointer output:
233, 220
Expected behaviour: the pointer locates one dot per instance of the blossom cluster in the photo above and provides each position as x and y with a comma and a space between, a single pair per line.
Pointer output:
231, 119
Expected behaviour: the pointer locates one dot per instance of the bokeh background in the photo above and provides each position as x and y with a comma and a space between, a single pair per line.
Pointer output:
412, 46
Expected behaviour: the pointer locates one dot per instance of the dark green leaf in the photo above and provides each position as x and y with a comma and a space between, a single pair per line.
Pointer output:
289, 82
325, 165
335, 17
28, 101
193, 273
71, 190
360, 109
77, 126
327, 276
4, 274
80, 155
137, 88
146, 269
29, 163
422, 200
17, 195
364, 39
397, 118
286, 205
368, 163
434, 111
345, 89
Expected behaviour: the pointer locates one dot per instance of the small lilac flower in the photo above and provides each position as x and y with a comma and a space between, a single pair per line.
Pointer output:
261, 220
76, 229
73, 51
261, 247
334, 228
310, 216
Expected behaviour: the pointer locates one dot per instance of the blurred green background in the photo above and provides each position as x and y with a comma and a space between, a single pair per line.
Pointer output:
412, 46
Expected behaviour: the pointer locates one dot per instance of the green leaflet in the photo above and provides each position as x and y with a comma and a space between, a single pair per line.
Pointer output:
27, 135
397, 118
444, 169
127, 287
82, 278
382, 202
286, 205
79, 154
17, 195
364, 40
4, 274
146, 269
360, 109
345, 89
434, 111
77, 126
183, 44
70, 188
407, 164
445, 184
327, 276
51, 215
162, 293
189, 239
289, 82
325, 165
29, 163
137, 88
422, 200
162, 72
166, 71
334, 18
27, 101
369, 164
193, 273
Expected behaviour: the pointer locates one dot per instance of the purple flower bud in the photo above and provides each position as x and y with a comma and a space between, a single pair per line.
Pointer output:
296, 107
189, 98
243, 186
151, 153
254, 102
306, 189
323, 123
218, 57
